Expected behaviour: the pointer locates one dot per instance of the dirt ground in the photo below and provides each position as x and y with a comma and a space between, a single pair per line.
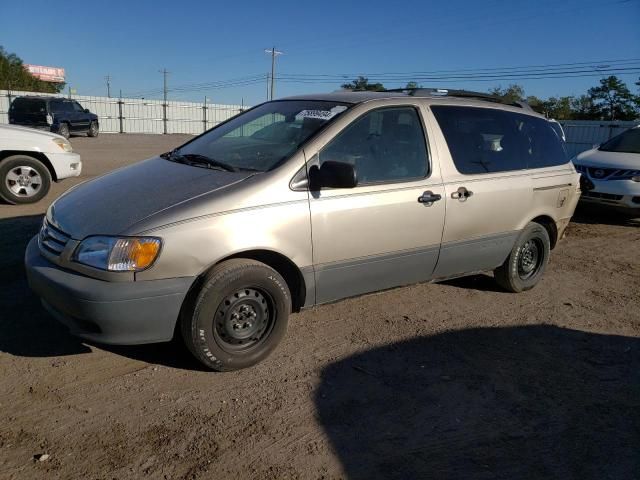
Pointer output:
453, 380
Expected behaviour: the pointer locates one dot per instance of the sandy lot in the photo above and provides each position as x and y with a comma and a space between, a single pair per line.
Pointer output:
454, 380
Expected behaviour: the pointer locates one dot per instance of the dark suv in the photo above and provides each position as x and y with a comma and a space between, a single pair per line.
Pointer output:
59, 115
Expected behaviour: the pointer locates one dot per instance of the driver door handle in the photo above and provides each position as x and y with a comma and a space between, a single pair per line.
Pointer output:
429, 197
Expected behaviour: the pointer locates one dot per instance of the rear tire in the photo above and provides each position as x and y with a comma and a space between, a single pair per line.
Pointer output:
237, 316
23, 179
527, 261
63, 129
93, 129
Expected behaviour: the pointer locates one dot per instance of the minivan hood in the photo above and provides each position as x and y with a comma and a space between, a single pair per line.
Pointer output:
598, 158
111, 204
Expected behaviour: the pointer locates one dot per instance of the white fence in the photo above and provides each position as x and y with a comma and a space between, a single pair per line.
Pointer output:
130, 115
584, 134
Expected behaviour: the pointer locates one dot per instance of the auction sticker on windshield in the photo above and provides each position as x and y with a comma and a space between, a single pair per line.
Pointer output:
321, 114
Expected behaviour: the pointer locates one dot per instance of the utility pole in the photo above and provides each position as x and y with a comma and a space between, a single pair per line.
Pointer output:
164, 73
274, 53
108, 79
267, 85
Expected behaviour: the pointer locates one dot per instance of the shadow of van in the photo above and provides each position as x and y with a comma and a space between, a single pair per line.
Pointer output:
527, 402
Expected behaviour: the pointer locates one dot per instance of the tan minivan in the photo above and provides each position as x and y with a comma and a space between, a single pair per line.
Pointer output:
299, 202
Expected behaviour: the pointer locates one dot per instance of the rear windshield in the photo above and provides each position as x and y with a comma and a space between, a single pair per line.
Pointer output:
626, 142
28, 105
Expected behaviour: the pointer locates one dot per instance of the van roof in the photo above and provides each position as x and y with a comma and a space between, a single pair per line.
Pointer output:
443, 96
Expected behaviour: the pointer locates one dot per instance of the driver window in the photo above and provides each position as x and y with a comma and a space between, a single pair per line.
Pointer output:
385, 145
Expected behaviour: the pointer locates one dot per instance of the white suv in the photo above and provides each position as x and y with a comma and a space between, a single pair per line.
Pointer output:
614, 169
30, 159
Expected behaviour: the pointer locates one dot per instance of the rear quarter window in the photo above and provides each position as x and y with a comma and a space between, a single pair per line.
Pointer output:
27, 105
486, 140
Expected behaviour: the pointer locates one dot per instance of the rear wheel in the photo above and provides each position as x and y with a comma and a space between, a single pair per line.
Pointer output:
527, 261
63, 129
93, 129
23, 179
238, 316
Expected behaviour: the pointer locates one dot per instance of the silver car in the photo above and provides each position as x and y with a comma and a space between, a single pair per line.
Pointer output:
299, 202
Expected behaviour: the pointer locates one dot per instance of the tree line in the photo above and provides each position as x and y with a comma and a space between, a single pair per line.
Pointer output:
611, 99
13, 76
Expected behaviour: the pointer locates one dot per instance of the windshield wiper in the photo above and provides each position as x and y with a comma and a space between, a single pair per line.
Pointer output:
197, 159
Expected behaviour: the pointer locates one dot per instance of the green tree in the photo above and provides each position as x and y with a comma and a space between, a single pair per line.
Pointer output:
412, 85
583, 108
513, 93
559, 108
613, 100
362, 84
13, 76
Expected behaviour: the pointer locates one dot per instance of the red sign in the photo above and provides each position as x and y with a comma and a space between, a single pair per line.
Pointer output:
48, 74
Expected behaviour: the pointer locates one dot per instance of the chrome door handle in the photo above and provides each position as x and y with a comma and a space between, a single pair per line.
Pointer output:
429, 197
461, 194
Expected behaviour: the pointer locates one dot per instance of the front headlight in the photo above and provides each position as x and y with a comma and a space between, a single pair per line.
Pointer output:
63, 144
118, 254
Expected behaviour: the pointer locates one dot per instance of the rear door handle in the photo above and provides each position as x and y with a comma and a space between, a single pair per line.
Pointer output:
429, 197
461, 194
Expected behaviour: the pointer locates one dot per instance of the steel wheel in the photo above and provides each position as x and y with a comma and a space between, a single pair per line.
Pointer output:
530, 259
23, 181
243, 319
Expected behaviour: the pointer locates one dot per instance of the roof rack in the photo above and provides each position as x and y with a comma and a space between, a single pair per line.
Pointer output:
445, 92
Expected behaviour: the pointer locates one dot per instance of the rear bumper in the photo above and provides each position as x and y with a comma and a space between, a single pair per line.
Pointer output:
119, 313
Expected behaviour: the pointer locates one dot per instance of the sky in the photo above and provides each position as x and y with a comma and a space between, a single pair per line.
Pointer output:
216, 48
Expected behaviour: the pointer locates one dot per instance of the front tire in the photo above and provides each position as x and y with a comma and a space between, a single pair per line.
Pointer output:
23, 179
63, 129
525, 265
93, 129
238, 316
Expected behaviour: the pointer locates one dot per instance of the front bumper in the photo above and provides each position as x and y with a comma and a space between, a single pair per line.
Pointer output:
118, 313
620, 194
66, 164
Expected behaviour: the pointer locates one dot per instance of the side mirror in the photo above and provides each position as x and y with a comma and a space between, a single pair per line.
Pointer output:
86, 110
586, 184
332, 175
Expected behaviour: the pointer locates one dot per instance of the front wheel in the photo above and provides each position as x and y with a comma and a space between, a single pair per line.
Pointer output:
527, 261
238, 316
23, 179
93, 129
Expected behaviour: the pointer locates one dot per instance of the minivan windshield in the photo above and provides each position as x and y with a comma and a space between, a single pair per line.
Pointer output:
260, 139
626, 142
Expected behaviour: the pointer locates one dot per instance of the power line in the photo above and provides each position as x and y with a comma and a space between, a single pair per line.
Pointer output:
531, 72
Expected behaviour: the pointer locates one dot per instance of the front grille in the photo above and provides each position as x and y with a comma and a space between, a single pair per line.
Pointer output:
603, 196
52, 239
598, 173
